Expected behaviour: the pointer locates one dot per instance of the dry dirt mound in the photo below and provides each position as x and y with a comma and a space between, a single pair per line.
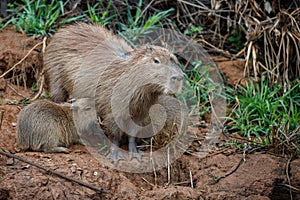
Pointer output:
13, 48
259, 176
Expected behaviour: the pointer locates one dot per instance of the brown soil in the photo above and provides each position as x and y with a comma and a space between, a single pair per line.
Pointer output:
260, 176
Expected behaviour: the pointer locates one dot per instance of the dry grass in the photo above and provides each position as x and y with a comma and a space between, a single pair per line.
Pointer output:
270, 31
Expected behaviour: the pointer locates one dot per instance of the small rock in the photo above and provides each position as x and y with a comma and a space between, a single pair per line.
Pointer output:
73, 169
26, 167
44, 181
10, 161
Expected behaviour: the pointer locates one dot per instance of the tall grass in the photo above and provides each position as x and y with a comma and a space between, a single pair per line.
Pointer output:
99, 14
39, 18
197, 88
262, 108
137, 23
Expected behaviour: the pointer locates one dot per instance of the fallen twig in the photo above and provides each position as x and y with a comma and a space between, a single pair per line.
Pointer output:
5, 73
14, 90
98, 189
217, 179
42, 75
1, 117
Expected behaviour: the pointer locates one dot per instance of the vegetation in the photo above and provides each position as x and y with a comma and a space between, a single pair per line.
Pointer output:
98, 16
1, 24
194, 31
260, 109
137, 24
39, 18
196, 91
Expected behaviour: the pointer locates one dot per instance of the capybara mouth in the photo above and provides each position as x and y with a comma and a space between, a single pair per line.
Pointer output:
172, 92
173, 89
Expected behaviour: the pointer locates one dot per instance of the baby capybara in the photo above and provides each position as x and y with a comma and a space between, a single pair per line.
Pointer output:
49, 127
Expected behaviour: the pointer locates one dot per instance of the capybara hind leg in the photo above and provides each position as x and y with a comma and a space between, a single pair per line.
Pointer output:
57, 150
58, 94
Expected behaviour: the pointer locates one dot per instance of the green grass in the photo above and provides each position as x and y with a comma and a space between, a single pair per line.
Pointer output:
194, 31
1, 23
197, 89
99, 14
237, 39
138, 24
262, 109
39, 18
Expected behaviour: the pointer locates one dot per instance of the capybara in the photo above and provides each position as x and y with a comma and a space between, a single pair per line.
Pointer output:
49, 127
86, 60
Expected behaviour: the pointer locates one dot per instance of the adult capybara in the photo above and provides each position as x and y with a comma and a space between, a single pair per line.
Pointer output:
49, 127
88, 60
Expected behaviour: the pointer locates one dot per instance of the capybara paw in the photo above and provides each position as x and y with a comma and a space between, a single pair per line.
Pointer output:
115, 155
134, 153
138, 155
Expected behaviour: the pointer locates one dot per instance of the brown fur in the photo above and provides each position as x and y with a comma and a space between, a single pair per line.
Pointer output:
87, 60
175, 120
71, 48
49, 127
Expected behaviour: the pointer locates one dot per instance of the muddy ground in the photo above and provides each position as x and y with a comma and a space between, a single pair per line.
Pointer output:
260, 175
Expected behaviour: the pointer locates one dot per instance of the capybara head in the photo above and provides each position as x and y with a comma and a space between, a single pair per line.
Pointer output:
84, 114
161, 65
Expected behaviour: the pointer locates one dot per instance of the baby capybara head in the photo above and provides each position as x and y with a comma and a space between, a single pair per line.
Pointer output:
84, 114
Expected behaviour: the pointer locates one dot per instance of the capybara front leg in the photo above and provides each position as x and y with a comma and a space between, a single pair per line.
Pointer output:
115, 153
133, 152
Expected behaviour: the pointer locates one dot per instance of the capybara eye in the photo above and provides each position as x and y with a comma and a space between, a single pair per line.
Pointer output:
156, 60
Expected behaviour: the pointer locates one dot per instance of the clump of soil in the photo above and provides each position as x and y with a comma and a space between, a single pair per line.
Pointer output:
259, 176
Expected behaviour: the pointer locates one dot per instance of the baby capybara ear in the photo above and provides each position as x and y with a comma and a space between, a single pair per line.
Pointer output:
148, 48
167, 46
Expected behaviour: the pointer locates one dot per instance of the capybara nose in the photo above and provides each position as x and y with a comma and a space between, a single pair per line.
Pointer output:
177, 78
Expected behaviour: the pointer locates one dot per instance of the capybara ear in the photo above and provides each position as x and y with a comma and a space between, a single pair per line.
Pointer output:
148, 48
